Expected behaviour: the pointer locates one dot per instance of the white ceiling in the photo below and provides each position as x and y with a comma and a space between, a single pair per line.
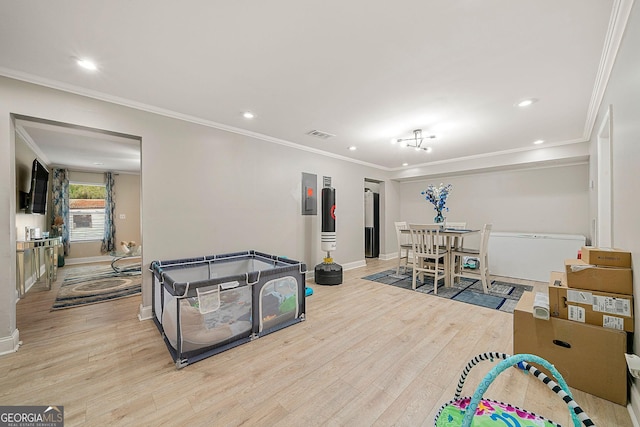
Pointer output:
80, 148
365, 71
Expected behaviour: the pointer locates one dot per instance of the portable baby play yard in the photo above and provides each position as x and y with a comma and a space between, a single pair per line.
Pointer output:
478, 412
203, 306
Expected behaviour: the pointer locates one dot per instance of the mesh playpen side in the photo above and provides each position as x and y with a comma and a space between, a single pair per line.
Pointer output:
203, 306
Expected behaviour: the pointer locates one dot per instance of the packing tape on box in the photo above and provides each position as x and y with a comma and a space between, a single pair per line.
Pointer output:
541, 306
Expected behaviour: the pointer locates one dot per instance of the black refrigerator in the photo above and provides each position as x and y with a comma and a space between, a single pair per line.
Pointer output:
371, 224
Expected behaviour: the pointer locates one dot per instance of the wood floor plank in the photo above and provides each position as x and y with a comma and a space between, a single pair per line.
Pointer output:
367, 354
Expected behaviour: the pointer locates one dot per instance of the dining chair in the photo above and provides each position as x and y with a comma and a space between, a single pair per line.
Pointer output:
428, 254
404, 244
482, 271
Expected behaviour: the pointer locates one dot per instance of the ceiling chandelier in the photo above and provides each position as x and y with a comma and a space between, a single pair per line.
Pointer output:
415, 142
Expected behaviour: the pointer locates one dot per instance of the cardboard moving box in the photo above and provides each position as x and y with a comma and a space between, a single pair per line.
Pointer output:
606, 256
590, 358
581, 275
604, 309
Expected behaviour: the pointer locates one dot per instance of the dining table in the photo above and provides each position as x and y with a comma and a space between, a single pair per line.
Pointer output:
452, 239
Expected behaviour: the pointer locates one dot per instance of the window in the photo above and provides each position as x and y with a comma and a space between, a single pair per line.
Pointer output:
86, 212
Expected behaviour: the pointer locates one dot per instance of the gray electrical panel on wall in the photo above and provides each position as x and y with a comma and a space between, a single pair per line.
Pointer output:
309, 194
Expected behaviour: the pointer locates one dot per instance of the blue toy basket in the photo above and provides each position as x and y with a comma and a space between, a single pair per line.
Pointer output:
477, 411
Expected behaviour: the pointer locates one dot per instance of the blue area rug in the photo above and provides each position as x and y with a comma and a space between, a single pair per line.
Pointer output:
502, 296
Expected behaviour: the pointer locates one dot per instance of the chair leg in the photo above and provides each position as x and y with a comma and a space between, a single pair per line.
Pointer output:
457, 268
413, 283
484, 274
448, 278
452, 270
485, 284
399, 261
406, 262
435, 278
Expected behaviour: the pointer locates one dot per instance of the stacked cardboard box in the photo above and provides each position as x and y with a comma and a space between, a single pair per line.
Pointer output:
597, 308
597, 289
591, 307
590, 358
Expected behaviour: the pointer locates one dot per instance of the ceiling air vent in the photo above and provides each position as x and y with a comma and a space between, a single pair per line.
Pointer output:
320, 134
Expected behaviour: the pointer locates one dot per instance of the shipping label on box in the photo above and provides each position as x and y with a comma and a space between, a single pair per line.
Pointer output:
580, 297
577, 314
612, 322
619, 306
606, 256
604, 304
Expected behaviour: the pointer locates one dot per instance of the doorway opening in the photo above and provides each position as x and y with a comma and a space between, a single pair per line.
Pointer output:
87, 154
372, 218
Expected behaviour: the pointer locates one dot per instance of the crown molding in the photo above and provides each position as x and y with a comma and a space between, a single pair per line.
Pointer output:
617, 24
31, 143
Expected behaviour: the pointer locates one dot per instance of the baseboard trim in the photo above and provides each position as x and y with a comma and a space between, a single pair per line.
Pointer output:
387, 257
145, 313
11, 343
311, 274
354, 264
87, 260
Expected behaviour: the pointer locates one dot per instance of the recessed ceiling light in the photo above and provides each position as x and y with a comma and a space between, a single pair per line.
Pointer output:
526, 102
538, 141
87, 64
98, 163
405, 164
353, 148
248, 115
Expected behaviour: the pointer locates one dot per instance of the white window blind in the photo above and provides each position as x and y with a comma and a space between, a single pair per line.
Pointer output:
86, 212
86, 224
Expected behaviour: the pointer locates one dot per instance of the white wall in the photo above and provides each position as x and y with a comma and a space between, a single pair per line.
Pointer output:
127, 189
204, 190
24, 156
543, 200
390, 199
623, 93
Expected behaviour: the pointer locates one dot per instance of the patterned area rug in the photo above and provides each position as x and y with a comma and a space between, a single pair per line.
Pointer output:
502, 296
94, 284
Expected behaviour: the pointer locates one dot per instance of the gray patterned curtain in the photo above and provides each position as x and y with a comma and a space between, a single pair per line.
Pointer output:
109, 240
60, 207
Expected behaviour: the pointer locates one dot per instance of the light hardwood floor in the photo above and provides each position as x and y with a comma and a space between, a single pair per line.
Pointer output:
368, 354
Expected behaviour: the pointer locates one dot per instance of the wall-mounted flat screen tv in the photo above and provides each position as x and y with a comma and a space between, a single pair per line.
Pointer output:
37, 199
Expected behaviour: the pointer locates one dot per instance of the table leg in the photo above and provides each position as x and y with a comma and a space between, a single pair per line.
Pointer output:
447, 264
445, 244
48, 265
55, 261
35, 262
20, 272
